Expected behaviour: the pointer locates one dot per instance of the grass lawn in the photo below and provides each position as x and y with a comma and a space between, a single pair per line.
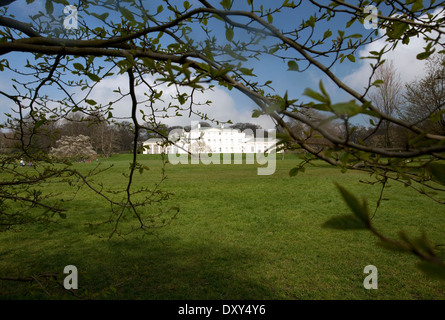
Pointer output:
237, 236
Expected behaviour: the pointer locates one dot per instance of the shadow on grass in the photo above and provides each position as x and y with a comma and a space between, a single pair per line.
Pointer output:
187, 271
144, 269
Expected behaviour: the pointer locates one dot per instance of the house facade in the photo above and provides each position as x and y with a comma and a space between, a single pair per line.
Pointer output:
212, 140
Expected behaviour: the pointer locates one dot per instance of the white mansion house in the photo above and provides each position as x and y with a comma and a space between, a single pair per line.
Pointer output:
212, 140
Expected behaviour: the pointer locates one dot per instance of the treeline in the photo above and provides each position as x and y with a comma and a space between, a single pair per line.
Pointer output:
380, 136
106, 137
255, 129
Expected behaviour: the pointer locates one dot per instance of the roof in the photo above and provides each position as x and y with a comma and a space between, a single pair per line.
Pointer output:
154, 140
214, 128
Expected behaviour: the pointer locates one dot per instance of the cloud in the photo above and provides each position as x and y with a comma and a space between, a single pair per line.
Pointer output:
224, 105
403, 58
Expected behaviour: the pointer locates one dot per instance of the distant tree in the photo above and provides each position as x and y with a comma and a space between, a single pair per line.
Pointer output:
313, 137
387, 95
104, 139
247, 127
425, 97
205, 124
75, 123
6, 142
202, 124
175, 128
153, 130
125, 136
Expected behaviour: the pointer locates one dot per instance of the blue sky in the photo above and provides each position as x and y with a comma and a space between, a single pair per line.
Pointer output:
231, 105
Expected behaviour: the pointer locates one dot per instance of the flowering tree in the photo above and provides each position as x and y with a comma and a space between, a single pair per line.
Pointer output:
73, 147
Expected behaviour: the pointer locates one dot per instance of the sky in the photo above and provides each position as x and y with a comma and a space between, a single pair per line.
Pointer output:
232, 105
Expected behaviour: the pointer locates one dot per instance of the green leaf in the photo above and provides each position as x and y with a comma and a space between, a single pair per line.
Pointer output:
314, 95
437, 170
278, 105
274, 49
359, 210
354, 36
397, 29
229, 34
182, 99
433, 270
321, 107
345, 222
39, 123
233, 54
377, 83
311, 22
127, 14
294, 171
286, 4
93, 76
64, 2
49, 7
78, 66
327, 34
150, 63
102, 16
90, 102
350, 108
226, 4
256, 113
418, 5
293, 66
437, 116
424, 55
323, 90
392, 245
351, 57
247, 72
350, 22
